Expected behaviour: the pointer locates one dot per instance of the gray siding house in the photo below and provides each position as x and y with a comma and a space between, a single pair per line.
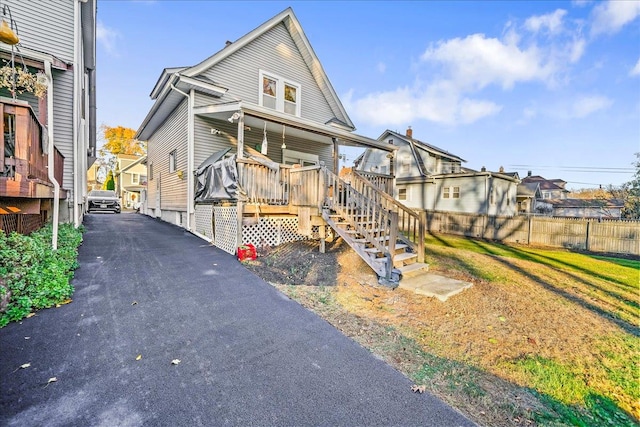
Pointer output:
57, 40
429, 178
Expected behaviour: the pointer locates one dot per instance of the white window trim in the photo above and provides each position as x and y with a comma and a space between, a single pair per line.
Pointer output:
406, 193
455, 194
446, 192
135, 178
280, 83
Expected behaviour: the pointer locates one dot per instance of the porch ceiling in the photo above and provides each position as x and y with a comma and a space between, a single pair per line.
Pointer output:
255, 117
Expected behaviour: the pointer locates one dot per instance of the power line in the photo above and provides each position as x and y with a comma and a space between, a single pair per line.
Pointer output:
597, 169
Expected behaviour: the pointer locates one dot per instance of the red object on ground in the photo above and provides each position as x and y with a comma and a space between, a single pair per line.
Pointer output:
247, 252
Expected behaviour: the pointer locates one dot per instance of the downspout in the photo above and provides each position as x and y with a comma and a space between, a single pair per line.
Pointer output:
189, 151
77, 70
50, 153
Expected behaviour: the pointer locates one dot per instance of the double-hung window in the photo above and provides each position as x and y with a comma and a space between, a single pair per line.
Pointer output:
279, 93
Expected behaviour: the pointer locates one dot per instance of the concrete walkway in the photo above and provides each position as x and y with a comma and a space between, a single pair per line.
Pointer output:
148, 293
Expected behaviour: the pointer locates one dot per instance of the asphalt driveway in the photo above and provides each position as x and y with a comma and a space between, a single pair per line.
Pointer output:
148, 293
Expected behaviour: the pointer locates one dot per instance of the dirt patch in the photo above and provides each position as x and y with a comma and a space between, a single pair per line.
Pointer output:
463, 350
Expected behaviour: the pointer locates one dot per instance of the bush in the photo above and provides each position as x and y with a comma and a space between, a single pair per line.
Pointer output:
34, 276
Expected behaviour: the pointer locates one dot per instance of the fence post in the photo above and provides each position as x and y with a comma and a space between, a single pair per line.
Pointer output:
586, 243
529, 231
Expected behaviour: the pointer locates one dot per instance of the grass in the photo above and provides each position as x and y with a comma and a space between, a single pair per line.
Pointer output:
547, 337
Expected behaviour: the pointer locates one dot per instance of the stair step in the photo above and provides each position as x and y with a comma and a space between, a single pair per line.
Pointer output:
413, 269
371, 250
404, 258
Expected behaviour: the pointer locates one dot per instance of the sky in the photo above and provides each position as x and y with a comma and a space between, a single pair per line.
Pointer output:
541, 86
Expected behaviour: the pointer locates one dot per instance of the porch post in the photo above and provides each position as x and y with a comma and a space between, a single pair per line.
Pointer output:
240, 203
241, 135
336, 156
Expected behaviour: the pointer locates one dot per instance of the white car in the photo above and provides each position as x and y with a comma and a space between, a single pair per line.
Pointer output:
103, 201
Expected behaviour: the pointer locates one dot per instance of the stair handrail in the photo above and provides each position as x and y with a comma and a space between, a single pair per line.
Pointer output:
345, 206
414, 231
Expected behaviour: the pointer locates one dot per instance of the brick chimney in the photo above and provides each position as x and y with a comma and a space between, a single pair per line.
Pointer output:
410, 132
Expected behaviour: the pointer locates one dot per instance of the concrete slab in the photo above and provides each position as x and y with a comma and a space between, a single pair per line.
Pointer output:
433, 285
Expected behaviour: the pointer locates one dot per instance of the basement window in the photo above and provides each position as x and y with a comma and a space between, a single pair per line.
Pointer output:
402, 194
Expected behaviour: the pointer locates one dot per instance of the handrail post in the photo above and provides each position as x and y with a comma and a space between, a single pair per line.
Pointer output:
422, 234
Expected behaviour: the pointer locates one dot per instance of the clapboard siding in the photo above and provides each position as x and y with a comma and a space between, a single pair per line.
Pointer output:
172, 135
46, 26
274, 52
63, 137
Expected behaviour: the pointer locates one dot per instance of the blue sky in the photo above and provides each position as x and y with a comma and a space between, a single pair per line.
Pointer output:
551, 87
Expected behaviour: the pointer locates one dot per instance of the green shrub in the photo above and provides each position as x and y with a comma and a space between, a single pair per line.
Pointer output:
33, 273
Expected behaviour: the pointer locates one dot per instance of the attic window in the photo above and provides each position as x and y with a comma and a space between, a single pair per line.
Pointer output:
279, 94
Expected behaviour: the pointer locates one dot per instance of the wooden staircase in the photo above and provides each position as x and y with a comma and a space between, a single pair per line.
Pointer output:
370, 224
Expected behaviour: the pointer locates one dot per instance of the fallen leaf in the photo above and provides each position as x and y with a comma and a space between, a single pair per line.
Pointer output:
30, 315
139, 357
51, 380
25, 366
175, 361
418, 388
502, 318
493, 341
532, 341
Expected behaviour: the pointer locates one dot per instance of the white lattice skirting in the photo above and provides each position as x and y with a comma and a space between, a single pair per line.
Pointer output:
268, 231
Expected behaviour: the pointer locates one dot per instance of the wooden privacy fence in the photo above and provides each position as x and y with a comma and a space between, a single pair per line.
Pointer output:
610, 236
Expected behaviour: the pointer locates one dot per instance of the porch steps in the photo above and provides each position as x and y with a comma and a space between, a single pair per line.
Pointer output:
403, 261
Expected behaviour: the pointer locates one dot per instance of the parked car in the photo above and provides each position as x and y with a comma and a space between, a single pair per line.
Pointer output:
103, 201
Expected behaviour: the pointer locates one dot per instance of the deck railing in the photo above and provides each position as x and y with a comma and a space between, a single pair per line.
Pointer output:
380, 181
306, 186
263, 184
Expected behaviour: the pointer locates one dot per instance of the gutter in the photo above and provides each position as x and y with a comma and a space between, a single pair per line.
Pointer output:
76, 89
50, 153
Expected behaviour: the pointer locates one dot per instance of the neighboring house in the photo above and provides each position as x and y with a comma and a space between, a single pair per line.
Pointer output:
94, 181
244, 146
430, 178
528, 195
48, 143
549, 188
131, 179
587, 208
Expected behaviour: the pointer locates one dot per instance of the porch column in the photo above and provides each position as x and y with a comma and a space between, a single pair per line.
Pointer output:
241, 135
336, 156
240, 203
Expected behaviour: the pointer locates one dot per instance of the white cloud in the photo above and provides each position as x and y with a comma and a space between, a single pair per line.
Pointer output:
477, 61
587, 105
611, 16
577, 49
635, 71
381, 67
107, 37
438, 103
552, 22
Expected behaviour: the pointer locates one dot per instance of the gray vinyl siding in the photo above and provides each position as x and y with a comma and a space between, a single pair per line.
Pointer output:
63, 138
45, 26
240, 72
476, 195
172, 135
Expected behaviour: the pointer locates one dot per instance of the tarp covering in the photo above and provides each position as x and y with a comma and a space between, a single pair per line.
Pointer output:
216, 178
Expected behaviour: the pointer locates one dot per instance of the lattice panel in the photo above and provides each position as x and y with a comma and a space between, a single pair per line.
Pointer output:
272, 231
204, 220
225, 225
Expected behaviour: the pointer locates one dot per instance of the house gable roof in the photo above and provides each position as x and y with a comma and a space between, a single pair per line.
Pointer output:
291, 23
545, 184
586, 203
422, 145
